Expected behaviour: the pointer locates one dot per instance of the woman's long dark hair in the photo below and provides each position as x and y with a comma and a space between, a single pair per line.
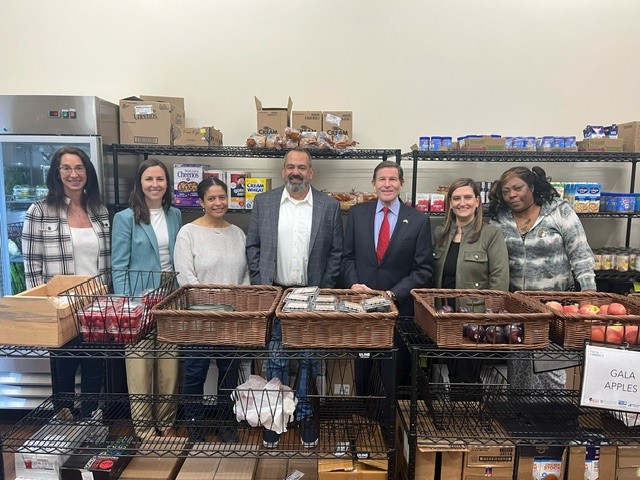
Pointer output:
451, 216
91, 199
137, 200
536, 179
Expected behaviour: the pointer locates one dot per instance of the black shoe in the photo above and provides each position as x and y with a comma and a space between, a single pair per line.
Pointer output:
229, 434
308, 432
270, 439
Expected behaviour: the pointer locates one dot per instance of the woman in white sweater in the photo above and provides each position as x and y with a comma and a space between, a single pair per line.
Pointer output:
210, 250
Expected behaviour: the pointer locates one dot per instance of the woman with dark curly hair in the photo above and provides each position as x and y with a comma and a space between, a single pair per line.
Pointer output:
547, 246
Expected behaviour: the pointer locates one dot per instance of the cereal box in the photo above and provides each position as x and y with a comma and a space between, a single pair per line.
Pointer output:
219, 174
253, 187
186, 177
236, 182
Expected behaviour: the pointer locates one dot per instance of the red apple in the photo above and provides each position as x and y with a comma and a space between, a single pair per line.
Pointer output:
597, 333
614, 333
604, 309
588, 309
555, 305
617, 309
631, 334
571, 309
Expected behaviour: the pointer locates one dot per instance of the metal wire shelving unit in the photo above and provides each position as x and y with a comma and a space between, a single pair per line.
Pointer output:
350, 426
629, 158
440, 414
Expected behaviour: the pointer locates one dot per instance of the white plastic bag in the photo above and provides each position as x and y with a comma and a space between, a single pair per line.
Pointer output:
261, 403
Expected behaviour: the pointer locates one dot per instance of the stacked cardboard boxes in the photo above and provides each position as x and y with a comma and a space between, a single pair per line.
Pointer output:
148, 120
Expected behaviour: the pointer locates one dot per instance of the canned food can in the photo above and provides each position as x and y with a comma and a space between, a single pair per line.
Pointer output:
622, 262
633, 259
597, 258
607, 261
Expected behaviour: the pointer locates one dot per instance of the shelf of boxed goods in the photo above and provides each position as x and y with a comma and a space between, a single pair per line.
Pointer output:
351, 427
241, 152
438, 415
630, 158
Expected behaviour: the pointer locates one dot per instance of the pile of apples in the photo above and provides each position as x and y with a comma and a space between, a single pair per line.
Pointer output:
612, 308
611, 333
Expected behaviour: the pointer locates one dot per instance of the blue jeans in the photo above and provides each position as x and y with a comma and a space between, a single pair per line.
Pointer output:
195, 376
278, 366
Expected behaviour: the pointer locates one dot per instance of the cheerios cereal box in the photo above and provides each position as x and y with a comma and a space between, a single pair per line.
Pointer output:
254, 186
186, 177
236, 183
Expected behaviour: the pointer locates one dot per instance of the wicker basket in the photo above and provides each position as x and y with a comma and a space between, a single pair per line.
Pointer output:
248, 325
338, 329
447, 329
571, 330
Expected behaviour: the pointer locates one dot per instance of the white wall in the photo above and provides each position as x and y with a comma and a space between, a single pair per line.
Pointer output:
405, 68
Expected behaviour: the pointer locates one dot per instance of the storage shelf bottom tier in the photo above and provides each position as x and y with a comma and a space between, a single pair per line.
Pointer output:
351, 426
474, 416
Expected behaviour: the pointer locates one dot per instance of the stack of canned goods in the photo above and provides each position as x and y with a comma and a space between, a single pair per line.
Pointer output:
617, 258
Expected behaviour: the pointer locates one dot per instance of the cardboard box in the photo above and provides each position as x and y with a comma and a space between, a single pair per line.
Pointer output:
273, 119
151, 467
628, 463
177, 101
255, 186
186, 177
335, 122
528, 454
40, 310
307, 120
592, 462
42, 456
348, 469
106, 465
271, 469
307, 466
215, 137
480, 460
236, 184
603, 144
340, 377
191, 136
630, 135
146, 121
236, 469
482, 144
198, 468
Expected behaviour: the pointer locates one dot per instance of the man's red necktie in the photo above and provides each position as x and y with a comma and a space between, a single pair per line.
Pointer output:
383, 236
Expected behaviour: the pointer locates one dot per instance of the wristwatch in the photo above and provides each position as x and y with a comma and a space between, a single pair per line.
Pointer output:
392, 295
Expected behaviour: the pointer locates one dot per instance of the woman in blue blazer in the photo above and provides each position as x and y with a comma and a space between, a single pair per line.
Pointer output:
143, 238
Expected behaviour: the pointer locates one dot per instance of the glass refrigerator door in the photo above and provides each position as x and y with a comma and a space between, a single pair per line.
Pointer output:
24, 163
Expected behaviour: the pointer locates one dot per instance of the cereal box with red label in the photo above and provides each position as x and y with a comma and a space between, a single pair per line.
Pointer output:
236, 184
186, 177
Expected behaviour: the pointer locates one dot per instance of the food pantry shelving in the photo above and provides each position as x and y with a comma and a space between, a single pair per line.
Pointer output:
438, 415
239, 152
344, 419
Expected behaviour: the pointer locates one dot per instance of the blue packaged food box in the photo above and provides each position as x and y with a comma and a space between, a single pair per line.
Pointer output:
423, 143
570, 142
637, 209
530, 143
447, 142
558, 142
435, 144
624, 203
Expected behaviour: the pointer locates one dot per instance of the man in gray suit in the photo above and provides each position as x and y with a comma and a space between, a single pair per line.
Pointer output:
294, 240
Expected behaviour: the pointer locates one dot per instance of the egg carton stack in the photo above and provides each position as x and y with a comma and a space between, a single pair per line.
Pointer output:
595, 316
332, 318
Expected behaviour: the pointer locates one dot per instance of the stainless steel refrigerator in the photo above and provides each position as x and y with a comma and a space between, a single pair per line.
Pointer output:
32, 128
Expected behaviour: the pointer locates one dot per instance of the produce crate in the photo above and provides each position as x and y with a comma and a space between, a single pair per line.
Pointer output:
103, 316
571, 329
248, 325
338, 329
448, 329
40, 316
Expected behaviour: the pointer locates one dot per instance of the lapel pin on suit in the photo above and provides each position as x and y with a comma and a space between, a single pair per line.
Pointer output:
405, 221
